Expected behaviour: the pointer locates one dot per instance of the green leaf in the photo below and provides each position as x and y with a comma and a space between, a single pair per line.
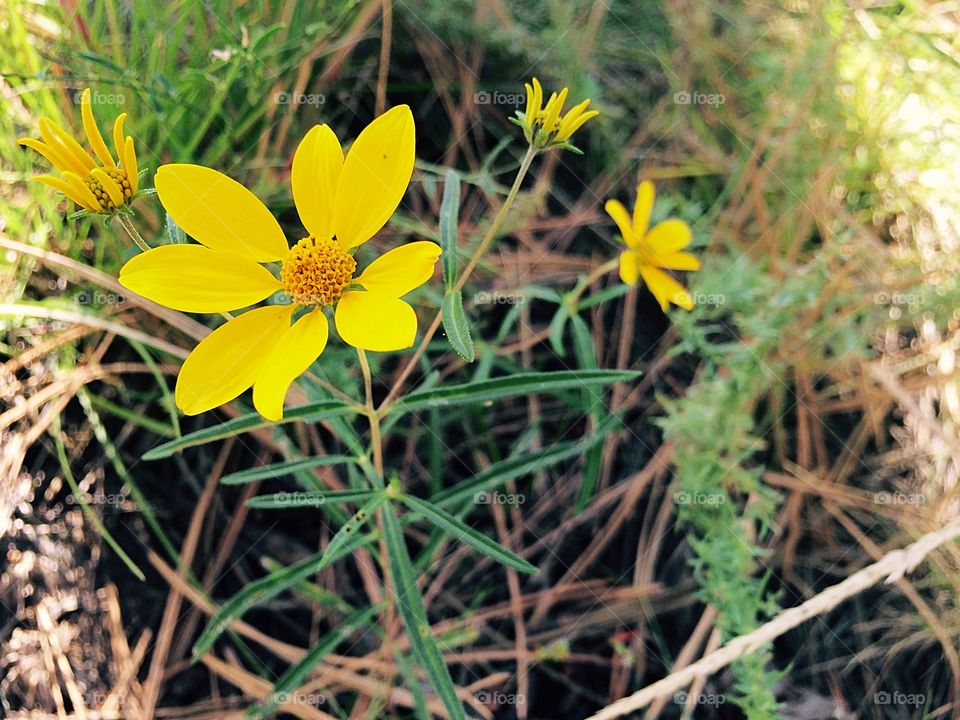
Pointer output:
346, 540
449, 216
456, 326
466, 534
523, 464
521, 384
296, 675
410, 605
290, 467
314, 412
295, 499
557, 326
175, 235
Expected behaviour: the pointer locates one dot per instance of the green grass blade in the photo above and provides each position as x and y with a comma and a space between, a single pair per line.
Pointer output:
296, 499
297, 674
314, 412
521, 384
466, 534
410, 605
290, 467
346, 540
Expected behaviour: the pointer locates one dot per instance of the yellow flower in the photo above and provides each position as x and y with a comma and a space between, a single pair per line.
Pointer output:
649, 252
543, 126
342, 203
100, 187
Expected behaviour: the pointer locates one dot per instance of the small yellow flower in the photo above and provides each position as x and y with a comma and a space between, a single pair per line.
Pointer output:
342, 203
649, 252
100, 187
543, 125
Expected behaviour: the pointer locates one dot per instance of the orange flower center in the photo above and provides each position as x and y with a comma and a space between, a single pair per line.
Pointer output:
119, 176
316, 272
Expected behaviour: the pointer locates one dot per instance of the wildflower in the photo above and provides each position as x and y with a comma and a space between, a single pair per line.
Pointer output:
649, 252
99, 185
543, 126
342, 203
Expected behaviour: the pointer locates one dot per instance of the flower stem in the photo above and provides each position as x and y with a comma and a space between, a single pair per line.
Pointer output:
471, 265
573, 299
127, 224
376, 440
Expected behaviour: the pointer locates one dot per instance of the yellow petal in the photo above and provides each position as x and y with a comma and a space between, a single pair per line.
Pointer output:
629, 267
646, 194
53, 134
537, 98
669, 236
130, 166
618, 212
375, 176
375, 321
530, 113
80, 187
296, 350
118, 141
569, 121
552, 111
67, 189
192, 278
402, 269
219, 212
316, 169
93, 132
110, 185
229, 359
54, 154
665, 289
678, 261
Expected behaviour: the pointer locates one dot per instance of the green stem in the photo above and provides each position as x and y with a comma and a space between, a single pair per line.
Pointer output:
127, 224
471, 265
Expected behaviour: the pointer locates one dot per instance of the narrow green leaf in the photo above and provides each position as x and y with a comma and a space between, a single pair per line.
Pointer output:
449, 217
410, 605
557, 326
346, 540
466, 534
314, 412
295, 499
521, 384
456, 326
521, 465
175, 235
268, 472
296, 675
